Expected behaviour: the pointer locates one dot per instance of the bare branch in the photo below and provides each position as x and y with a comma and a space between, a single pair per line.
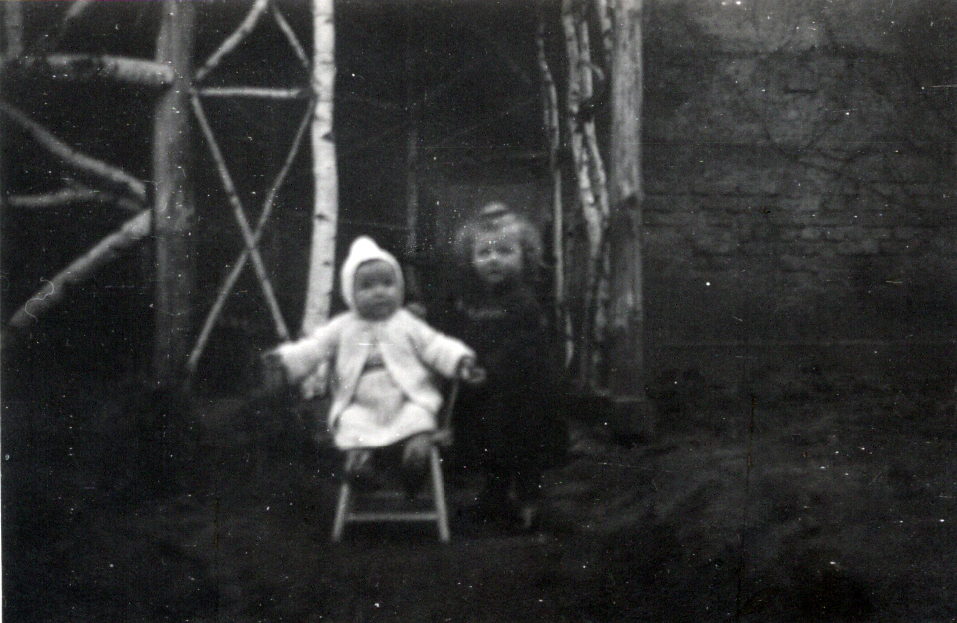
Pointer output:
233, 40
104, 252
586, 193
73, 158
290, 35
68, 196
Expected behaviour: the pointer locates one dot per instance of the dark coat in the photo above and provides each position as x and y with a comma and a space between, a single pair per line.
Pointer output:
514, 420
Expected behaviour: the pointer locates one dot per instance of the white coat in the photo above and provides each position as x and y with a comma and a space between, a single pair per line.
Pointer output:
413, 352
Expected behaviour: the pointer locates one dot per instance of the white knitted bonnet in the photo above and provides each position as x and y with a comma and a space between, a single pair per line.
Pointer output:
365, 249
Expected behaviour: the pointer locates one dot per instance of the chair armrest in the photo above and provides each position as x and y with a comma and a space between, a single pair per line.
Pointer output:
442, 437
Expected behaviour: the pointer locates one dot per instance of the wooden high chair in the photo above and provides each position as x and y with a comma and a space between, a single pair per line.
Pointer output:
393, 505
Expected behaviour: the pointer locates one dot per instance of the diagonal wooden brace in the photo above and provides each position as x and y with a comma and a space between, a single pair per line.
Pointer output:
240, 214
240, 263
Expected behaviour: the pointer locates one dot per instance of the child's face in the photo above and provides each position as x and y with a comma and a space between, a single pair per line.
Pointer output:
497, 256
376, 291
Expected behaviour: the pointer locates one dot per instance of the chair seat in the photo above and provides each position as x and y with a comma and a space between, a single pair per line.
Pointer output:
388, 505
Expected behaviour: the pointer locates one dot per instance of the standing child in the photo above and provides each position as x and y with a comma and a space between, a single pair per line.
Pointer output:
509, 427
383, 390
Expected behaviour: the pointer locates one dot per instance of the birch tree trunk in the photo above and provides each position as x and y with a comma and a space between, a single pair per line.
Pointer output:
551, 121
173, 207
325, 210
626, 309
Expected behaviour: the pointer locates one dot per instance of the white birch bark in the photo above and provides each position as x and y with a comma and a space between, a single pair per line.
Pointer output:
81, 269
325, 208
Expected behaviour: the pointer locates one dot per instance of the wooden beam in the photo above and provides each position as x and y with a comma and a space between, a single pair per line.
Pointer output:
626, 308
232, 41
587, 193
136, 71
256, 92
12, 29
290, 35
173, 202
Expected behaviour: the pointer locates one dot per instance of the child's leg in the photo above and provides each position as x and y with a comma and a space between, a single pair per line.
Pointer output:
359, 468
415, 461
416, 449
528, 493
358, 460
494, 502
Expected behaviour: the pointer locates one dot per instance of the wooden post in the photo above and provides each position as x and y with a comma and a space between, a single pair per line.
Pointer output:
173, 207
412, 151
325, 207
12, 48
12, 30
552, 123
584, 165
626, 309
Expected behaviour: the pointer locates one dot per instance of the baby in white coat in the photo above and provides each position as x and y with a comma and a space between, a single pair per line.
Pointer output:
385, 361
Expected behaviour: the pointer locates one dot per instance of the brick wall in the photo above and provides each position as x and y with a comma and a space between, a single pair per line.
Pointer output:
799, 189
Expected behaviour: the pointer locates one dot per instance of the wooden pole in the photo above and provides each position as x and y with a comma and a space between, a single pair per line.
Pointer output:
412, 138
12, 30
626, 309
72, 67
552, 124
587, 196
173, 208
325, 208
81, 269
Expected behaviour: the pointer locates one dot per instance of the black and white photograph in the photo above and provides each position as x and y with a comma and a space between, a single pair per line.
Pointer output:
478, 311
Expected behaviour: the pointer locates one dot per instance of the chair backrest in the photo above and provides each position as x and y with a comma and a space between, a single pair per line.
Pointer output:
445, 413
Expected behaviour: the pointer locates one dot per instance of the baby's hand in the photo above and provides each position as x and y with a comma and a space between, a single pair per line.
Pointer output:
470, 372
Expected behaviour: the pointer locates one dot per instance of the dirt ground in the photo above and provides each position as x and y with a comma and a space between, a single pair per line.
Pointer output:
832, 502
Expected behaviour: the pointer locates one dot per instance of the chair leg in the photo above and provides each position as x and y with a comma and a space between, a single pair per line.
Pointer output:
342, 511
438, 494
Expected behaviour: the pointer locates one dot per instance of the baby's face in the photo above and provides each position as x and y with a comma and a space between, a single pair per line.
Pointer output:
497, 256
376, 290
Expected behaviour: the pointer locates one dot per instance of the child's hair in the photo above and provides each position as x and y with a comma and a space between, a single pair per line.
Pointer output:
498, 217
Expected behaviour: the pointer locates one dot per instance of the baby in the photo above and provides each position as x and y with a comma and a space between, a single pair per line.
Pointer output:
383, 391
